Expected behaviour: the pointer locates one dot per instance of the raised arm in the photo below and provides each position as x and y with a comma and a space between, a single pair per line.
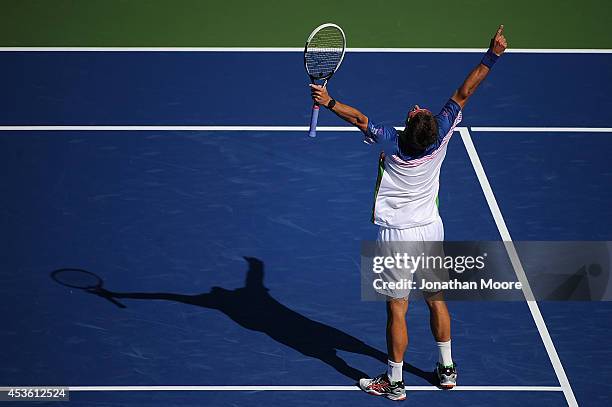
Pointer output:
345, 112
497, 47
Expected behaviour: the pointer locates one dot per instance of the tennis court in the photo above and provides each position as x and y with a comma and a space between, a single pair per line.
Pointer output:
179, 176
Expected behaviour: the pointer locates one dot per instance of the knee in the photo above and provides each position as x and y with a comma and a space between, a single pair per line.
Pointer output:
435, 302
437, 308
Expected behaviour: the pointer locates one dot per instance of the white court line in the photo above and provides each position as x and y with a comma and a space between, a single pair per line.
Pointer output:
174, 128
294, 388
518, 267
290, 128
545, 129
301, 49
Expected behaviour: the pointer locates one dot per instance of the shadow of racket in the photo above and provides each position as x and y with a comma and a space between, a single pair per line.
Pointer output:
84, 280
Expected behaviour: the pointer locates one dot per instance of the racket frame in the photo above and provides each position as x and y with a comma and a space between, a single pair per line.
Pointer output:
311, 36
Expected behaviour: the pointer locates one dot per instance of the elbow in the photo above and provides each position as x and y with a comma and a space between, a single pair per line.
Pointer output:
361, 122
464, 93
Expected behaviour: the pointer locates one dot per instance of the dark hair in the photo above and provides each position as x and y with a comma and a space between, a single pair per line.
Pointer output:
421, 131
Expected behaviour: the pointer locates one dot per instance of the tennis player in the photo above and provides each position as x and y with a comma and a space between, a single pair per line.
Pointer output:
405, 209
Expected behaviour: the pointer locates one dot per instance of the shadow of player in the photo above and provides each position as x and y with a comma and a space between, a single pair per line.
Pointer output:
253, 308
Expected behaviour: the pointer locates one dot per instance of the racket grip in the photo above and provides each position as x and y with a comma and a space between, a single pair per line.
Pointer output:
313, 121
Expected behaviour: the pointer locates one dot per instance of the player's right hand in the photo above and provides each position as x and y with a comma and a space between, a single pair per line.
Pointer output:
319, 94
498, 42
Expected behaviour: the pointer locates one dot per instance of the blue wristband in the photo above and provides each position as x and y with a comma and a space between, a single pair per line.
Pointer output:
489, 59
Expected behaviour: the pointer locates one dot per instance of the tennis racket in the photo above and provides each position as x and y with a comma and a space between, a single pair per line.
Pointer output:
323, 54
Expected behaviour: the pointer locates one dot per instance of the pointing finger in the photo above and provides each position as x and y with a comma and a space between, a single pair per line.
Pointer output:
500, 31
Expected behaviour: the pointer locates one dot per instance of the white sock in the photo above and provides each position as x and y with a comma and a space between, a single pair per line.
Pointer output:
394, 371
444, 353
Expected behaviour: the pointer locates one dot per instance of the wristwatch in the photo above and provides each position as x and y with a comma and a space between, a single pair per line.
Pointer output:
331, 104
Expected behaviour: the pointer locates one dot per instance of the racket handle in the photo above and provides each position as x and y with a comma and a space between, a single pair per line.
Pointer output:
313, 121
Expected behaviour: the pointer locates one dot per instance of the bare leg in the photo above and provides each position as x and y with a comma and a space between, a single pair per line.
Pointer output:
397, 334
439, 318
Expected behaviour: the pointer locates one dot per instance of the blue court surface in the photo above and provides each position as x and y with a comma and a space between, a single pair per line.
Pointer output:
235, 250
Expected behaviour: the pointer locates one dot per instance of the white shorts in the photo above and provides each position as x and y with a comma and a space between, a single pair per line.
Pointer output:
432, 232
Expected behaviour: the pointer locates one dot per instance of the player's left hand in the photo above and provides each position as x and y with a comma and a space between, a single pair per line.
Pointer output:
319, 94
498, 42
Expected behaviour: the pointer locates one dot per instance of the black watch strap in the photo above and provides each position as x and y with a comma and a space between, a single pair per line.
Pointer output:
331, 104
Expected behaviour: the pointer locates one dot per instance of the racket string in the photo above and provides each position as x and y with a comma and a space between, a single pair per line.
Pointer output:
324, 52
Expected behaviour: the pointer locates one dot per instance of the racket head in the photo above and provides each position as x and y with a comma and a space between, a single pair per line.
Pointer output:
324, 51
77, 278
